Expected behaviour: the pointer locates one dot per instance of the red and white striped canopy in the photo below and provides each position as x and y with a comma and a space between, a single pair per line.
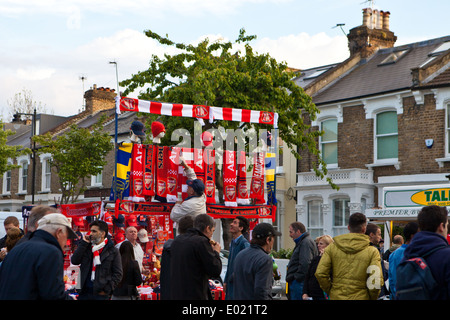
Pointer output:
197, 111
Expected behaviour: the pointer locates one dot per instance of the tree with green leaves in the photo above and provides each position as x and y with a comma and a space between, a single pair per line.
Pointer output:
8, 151
76, 155
217, 75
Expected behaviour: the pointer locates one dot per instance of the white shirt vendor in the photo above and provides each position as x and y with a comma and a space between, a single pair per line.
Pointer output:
138, 252
195, 203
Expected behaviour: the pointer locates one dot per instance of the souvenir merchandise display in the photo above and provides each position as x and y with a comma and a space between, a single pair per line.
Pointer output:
150, 178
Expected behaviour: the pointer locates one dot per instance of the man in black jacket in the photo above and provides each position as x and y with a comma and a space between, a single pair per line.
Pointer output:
34, 269
194, 260
100, 263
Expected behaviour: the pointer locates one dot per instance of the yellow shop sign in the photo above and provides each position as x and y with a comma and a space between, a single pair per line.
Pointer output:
439, 197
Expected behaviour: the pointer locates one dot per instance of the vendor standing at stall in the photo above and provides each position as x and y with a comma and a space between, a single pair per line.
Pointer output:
195, 203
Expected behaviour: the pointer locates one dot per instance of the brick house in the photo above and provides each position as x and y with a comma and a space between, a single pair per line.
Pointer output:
378, 109
17, 184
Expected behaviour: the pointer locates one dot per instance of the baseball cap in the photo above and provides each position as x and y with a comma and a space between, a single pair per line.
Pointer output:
143, 235
263, 230
131, 220
138, 128
57, 219
197, 185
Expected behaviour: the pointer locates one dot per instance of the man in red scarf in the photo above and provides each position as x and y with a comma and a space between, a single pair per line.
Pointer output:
100, 263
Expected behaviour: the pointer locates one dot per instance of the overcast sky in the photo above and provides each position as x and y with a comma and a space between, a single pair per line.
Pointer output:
48, 45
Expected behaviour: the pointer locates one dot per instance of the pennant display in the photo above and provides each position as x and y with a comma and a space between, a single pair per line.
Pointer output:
123, 171
149, 170
137, 173
257, 186
242, 191
229, 178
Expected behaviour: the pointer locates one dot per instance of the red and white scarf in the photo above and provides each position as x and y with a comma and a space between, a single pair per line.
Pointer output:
242, 191
229, 178
172, 161
137, 173
257, 186
96, 250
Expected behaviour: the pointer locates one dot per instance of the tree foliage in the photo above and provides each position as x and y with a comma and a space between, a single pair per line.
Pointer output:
7, 151
216, 74
76, 155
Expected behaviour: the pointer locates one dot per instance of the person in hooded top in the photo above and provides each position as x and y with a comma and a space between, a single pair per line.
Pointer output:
350, 268
433, 225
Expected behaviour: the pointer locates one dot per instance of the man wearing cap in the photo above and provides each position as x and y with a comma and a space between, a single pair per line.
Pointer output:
253, 267
195, 203
35, 269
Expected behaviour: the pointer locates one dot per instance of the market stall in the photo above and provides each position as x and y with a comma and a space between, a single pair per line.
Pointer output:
149, 179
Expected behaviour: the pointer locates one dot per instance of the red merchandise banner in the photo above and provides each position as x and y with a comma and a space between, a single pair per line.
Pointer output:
214, 210
161, 172
257, 186
81, 209
242, 190
229, 178
172, 159
149, 170
198, 164
210, 175
217, 211
137, 173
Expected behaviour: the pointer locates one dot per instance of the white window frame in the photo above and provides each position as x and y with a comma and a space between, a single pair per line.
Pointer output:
321, 142
6, 178
21, 160
447, 130
315, 231
44, 160
376, 136
97, 180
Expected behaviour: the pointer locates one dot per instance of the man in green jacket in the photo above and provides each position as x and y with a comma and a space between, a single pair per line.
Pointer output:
350, 269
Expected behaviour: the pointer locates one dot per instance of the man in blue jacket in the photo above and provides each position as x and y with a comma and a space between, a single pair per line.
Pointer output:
253, 267
34, 270
238, 227
433, 223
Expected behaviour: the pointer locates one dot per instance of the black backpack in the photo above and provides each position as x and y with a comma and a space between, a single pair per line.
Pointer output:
414, 279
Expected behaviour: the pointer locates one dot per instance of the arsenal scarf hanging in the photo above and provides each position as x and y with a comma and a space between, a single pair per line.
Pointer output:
161, 173
172, 159
242, 191
149, 170
229, 178
210, 175
137, 174
198, 164
257, 187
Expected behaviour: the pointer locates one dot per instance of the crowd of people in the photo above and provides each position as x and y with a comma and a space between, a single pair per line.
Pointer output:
350, 266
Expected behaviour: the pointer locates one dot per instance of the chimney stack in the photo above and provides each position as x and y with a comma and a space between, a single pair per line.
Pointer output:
372, 35
98, 99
